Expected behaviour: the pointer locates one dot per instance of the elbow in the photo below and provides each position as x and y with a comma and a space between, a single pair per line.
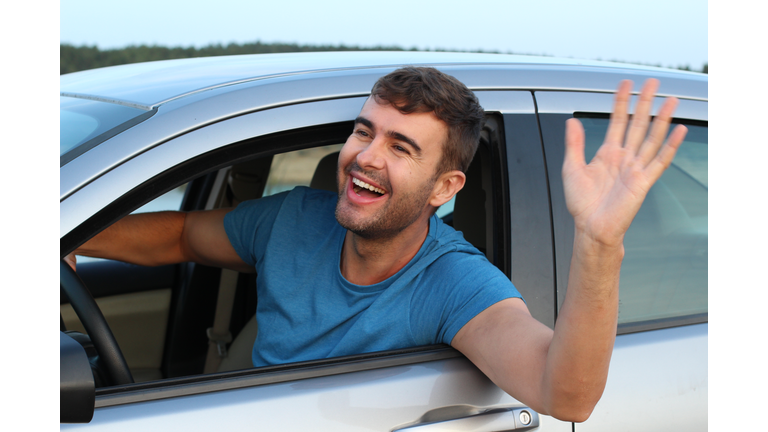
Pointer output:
577, 413
574, 406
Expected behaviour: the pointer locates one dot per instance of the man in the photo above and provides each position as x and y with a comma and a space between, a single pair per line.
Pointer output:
372, 268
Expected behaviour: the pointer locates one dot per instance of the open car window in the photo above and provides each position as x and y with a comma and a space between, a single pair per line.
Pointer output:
179, 321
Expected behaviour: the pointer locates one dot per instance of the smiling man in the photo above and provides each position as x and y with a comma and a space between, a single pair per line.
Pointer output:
372, 268
397, 168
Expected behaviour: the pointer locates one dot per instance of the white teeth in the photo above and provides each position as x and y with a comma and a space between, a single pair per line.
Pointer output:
365, 185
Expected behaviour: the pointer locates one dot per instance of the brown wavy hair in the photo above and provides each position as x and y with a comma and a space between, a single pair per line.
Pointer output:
425, 89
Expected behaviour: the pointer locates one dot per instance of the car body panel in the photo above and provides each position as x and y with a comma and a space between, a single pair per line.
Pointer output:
380, 399
657, 380
154, 83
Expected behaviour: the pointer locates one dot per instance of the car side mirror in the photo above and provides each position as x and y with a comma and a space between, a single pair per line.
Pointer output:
77, 391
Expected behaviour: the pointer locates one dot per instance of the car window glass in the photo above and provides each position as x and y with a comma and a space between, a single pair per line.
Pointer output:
664, 272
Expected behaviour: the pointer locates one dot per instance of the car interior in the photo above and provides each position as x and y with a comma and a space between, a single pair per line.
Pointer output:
188, 319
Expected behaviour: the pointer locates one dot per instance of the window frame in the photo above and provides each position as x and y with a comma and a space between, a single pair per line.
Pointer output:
206, 165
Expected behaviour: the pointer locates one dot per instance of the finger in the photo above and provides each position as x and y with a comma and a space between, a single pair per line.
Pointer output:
659, 130
638, 126
574, 144
619, 116
664, 158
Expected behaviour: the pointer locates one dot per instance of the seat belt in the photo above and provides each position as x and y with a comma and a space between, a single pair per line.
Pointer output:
244, 181
219, 335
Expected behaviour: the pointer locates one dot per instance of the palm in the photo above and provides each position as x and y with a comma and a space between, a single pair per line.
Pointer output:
604, 195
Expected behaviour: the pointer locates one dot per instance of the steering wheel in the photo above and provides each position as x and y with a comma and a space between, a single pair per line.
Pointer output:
98, 330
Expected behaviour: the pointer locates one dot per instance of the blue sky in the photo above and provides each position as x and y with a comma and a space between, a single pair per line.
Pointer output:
669, 33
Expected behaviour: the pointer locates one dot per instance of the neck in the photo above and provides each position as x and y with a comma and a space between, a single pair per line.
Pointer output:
370, 261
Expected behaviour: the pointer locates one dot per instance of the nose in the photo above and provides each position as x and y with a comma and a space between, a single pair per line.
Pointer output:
372, 156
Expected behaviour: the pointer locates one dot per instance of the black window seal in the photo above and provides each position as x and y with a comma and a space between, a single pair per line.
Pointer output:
200, 384
662, 323
494, 124
674, 120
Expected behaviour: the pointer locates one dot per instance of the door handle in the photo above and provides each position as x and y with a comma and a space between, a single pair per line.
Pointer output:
472, 418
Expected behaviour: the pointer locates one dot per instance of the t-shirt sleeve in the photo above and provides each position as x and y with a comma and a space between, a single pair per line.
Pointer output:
465, 287
250, 224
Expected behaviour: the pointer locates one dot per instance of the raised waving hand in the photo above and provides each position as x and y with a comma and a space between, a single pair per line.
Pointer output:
605, 195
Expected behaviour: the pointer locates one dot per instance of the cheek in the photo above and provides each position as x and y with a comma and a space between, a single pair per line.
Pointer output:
346, 156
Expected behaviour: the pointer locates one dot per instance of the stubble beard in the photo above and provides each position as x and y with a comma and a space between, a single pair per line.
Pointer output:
391, 219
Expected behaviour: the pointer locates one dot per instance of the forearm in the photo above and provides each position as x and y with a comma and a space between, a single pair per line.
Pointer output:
580, 352
149, 239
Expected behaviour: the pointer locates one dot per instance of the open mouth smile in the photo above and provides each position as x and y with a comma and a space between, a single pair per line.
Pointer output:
362, 193
360, 185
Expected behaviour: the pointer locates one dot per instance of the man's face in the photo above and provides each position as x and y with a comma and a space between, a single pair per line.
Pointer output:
386, 170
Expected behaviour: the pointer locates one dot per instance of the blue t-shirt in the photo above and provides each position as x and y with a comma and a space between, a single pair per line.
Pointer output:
307, 310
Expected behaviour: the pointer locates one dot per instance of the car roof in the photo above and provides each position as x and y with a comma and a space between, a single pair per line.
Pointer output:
147, 85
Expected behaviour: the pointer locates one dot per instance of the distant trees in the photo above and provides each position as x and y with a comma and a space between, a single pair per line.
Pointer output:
73, 58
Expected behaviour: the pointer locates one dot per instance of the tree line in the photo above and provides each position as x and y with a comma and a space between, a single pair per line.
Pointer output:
77, 58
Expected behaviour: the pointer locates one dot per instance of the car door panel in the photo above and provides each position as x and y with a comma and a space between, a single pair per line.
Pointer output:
654, 384
380, 400
658, 370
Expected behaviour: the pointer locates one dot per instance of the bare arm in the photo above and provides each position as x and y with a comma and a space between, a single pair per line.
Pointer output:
563, 373
160, 238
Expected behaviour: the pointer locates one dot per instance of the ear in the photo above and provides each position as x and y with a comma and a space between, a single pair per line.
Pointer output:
447, 185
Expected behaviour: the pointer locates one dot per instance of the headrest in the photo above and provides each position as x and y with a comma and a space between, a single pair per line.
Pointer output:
325, 173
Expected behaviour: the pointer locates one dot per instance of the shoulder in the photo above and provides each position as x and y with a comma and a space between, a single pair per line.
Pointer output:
461, 267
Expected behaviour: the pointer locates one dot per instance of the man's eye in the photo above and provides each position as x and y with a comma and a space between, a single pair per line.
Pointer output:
401, 149
362, 133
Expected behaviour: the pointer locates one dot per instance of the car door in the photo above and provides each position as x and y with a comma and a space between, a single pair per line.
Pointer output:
428, 387
658, 372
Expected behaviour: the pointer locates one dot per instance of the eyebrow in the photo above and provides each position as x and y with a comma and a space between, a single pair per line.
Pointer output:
392, 134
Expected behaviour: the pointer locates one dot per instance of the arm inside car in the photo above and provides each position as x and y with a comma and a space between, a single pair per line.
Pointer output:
154, 239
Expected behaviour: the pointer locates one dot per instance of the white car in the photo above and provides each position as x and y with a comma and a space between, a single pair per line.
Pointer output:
211, 132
